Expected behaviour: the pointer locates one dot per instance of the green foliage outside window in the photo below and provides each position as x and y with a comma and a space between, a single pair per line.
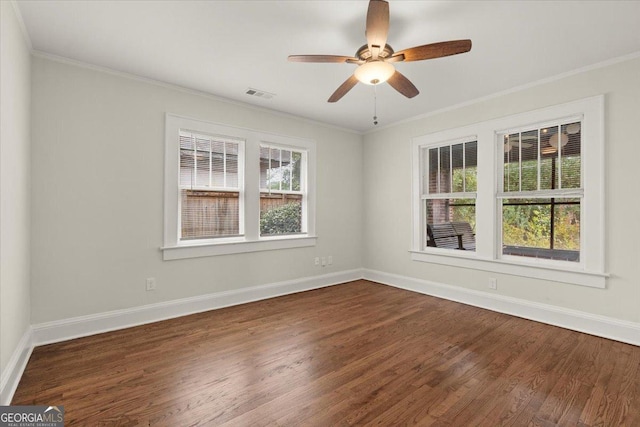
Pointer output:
283, 219
530, 225
464, 210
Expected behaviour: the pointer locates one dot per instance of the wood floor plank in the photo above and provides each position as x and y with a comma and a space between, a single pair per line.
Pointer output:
356, 354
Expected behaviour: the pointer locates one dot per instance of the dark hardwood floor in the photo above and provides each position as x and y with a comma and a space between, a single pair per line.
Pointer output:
355, 354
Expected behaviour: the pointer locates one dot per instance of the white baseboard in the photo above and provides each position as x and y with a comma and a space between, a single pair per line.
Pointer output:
12, 373
62, 330
602, 326
76, 327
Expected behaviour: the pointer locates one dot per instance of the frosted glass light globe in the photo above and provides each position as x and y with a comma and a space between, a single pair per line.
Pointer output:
374, 72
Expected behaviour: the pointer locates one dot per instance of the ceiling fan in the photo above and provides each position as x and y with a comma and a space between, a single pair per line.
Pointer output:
375, 59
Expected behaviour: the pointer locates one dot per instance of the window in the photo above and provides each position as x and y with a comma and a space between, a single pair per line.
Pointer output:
233, 190
281, 190
528, 191
449, 194
541, 192
209, 186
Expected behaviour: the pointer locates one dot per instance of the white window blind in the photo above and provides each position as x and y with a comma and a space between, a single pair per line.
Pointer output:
541, 191
228, 178
209, 190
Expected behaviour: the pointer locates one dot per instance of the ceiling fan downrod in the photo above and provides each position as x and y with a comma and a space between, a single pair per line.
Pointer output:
375, 106
376, 58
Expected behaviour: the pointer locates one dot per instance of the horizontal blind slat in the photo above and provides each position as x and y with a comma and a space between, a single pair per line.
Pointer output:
542, 194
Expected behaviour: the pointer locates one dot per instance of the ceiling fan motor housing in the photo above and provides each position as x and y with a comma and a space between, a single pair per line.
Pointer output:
364, 54
375, 58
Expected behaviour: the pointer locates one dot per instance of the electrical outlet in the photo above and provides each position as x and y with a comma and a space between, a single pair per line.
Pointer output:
493, 283
330, 259
151, 284
316, 261
324, 261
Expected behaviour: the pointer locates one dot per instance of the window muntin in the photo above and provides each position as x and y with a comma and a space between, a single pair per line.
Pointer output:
449, 193
282, 195
209, 186
590, 270
209, 172
541, 192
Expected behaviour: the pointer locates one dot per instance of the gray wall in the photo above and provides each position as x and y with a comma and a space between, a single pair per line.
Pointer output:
387, 204
98, 162
15, 86
96, 172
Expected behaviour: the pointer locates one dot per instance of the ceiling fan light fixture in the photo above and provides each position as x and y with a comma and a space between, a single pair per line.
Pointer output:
374, 72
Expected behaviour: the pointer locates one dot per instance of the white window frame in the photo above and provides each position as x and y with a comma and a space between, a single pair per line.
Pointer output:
238, 189
249, 189
546, 194
425, 195
303, 184
590, 271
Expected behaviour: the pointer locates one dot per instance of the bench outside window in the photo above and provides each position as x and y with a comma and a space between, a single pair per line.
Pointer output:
451, 235
521, 195
449, 194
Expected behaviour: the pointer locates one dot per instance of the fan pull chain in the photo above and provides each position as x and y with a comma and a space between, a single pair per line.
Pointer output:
375, 106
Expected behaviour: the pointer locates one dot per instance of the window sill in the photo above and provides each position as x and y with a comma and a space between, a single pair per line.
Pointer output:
544, 272
192, 250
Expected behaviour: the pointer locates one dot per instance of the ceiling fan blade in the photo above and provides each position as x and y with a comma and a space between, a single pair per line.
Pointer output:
343, 89
395, 58
377, 26
402, 84
321, 58
435, 50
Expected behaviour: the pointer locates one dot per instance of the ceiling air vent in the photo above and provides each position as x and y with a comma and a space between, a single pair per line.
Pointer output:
260, 93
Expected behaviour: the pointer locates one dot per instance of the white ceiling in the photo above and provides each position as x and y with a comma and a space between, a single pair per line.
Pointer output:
225, 47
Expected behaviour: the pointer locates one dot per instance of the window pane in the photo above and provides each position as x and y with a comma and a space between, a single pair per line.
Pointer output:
296, 170
202, 161
512, 162
232, 164
280, 214
274, 176
566, 223
451, 223
217, 163
549, 158
457, 162
433, 170
207, 214
187, 163
570, 154
280, 169
445, 170
280, 172
529, 154
471, 166
264, 167
541, 228
285, 172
